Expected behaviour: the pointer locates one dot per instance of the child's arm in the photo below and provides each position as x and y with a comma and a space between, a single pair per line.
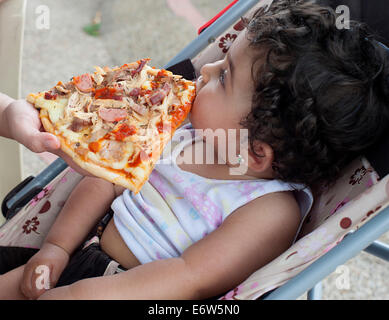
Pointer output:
248, 239
86, 205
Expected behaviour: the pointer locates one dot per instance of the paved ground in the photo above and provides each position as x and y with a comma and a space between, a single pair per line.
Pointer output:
65, 50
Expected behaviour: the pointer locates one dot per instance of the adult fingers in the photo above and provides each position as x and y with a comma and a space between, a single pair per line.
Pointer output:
71, 163
38, 141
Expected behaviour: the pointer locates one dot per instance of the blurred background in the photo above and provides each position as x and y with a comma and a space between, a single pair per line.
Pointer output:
127, 30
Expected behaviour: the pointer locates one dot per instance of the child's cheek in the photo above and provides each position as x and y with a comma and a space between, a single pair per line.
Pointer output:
196, 115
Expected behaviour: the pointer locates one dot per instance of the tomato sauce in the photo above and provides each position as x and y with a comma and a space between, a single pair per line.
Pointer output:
124, 131
49, 96
107, 93
94, 146
141, 157
179, 115
163, 127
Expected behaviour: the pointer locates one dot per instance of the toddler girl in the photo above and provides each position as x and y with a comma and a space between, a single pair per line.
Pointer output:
309, 96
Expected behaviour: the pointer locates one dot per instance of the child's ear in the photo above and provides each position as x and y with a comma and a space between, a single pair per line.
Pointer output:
262, 159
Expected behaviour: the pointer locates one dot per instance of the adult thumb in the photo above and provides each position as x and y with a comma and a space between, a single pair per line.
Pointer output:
42, 141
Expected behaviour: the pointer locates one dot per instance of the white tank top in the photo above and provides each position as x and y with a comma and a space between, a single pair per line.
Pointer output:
176, 208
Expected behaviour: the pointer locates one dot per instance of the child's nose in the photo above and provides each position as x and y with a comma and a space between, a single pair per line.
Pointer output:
208, 70
205, 72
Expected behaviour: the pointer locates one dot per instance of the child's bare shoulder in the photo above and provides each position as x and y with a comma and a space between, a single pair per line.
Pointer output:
279, 210
283, 202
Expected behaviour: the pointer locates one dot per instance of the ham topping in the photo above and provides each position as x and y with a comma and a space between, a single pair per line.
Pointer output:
112, 115
140, 67
161, 94
50, 96
141, 109
97, 135
113, 150
79, 124
135, 92
84, 82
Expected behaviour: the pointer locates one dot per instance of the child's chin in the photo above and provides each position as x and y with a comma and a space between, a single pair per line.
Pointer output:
192, 119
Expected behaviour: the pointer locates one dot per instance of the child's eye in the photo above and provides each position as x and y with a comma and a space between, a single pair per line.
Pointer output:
222, 76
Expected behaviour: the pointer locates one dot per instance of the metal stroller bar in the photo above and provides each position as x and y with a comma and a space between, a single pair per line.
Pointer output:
30, 187
379, 249
344, 251
213, 31
316, 292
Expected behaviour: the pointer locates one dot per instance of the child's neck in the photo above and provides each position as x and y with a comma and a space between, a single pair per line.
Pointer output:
219, 171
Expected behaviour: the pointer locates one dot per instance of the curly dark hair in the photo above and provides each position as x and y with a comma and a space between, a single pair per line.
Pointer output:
321, 93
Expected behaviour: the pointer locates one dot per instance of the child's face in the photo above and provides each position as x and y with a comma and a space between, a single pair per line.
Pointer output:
224, 98
225, 89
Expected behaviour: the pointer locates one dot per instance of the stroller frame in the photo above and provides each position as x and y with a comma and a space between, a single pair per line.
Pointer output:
308, 280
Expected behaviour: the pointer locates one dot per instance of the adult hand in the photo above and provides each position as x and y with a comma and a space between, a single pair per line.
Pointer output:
23, 125
71, 163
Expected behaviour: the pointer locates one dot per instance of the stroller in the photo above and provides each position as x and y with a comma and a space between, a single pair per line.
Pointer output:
345, 220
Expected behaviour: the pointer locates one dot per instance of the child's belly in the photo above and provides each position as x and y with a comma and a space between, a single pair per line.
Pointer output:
113, 245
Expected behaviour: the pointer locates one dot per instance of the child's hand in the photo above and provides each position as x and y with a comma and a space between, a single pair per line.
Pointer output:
43, 270
24, 126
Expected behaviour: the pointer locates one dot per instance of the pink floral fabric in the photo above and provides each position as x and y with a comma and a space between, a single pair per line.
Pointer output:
216, 50
30, 226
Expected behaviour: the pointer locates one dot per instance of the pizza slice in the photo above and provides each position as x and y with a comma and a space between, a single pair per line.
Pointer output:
115, 123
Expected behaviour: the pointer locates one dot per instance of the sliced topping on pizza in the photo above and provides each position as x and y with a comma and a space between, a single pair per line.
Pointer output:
84, 83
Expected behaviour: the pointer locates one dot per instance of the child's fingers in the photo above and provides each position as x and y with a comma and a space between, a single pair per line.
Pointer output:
32, 285
39, 284
26, 283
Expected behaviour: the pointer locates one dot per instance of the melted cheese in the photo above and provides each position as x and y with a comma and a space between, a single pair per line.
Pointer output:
147, 85
55, 108
71, 135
